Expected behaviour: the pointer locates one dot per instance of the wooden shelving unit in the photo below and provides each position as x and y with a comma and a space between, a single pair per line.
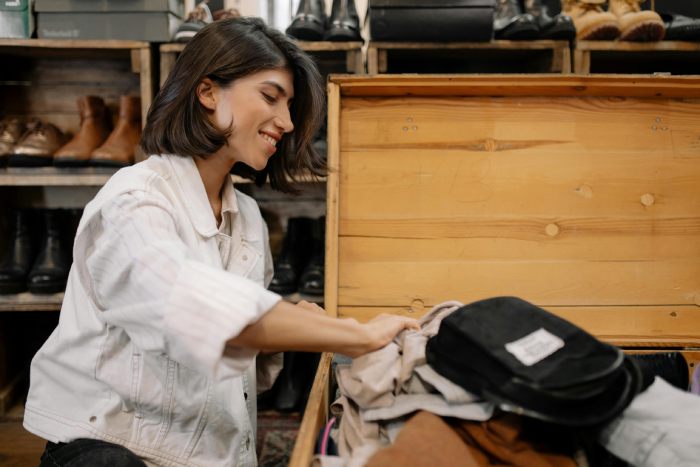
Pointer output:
548, 56
620, 57
351, 53
51, 176
35, 69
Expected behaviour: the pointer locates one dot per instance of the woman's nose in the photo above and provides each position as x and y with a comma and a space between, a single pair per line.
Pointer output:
284, 121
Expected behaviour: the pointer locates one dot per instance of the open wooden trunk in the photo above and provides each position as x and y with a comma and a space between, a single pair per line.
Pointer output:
579, 194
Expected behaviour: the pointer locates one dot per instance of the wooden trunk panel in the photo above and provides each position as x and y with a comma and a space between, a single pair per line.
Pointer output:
668, 326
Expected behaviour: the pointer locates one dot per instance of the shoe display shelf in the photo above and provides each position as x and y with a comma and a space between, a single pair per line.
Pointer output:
45, 77
673, 57
338, 57
498, 56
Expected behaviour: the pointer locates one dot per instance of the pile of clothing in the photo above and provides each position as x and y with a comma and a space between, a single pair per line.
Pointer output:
504, 382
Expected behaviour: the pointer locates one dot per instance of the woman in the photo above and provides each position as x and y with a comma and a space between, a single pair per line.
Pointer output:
165, 310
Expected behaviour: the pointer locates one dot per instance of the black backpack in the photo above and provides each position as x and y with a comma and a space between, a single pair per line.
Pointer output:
531, 362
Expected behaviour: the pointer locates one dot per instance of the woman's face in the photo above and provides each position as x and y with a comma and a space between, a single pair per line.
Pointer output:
258, 107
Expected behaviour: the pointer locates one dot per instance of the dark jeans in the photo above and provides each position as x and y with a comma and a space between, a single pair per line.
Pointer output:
89, 453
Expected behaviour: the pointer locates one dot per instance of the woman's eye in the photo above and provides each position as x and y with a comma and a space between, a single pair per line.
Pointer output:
269, 98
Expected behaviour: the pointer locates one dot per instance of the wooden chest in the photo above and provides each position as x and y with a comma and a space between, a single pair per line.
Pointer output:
580, 194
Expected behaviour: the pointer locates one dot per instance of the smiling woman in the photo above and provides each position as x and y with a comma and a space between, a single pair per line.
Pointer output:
156, 355
223, 58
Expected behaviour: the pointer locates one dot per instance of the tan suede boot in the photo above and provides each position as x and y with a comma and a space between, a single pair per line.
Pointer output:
591, 21
637, 24
120, 147
95, 126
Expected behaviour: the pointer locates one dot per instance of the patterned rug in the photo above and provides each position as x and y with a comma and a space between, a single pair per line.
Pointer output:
277, 433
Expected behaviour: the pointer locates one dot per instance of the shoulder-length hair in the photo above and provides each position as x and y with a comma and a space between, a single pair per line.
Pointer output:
225, 51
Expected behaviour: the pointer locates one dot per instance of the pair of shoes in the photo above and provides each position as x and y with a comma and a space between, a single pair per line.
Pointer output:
681, 28
529, 20
96, 143
624, 19
311, 23
199, 17
300, 265
42, 267
35, 145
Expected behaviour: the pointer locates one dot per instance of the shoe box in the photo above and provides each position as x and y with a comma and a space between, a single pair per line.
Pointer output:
16, 20
146, 20
438, 20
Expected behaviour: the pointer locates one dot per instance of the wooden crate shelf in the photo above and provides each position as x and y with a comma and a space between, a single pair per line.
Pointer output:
52, 176
26, 301
546, 56
351, 53
637, 57
44, 77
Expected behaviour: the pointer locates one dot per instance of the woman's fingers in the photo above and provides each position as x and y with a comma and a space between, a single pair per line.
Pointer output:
311, 307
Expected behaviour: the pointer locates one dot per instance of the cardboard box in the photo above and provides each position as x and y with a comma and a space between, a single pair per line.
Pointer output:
580, 194
146, 26
176, 7
16, 20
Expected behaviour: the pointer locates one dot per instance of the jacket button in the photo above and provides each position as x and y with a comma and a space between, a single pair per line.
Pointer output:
93, 419
245, 395
245, 257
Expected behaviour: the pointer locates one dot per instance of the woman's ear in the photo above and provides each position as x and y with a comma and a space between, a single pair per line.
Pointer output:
207, 93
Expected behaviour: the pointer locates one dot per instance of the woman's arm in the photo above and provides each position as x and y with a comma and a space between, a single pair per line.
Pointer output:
288, 327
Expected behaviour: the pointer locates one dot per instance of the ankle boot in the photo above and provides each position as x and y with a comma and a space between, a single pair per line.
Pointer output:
637, 24
670, 366
119, 149
19, 253
291, 390
312, 279
510, 23
95, 126
558, 27
293, 257
344, 23
592, 23
309, 24
50, 270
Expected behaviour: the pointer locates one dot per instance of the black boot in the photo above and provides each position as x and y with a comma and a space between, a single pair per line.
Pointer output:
558, 27
294, 256
50, 270
19, 253
311, 281
670, 366
510, 23
309, 24
344, 24
291, 390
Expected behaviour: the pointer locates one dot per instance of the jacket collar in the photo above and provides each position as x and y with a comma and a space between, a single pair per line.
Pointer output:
187, 177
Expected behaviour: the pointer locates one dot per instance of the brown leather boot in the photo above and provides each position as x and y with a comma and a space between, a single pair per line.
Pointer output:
637, 24
95, 125
119, 149
591, 21
37, 146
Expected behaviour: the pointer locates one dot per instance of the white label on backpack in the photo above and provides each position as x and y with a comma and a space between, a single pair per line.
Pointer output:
535, 346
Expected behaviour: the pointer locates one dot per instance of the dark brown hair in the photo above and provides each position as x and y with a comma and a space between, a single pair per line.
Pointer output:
225, 51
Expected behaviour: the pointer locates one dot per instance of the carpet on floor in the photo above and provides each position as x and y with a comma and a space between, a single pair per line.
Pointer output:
277, 433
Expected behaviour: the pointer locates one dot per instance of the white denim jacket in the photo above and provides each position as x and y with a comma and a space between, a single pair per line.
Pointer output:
139, 357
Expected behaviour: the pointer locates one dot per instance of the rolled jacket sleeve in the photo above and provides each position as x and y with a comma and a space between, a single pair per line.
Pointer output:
145, 280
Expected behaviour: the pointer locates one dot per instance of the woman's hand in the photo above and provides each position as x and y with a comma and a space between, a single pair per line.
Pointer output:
311, 307
381, 330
